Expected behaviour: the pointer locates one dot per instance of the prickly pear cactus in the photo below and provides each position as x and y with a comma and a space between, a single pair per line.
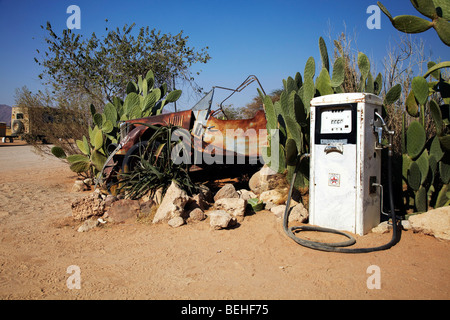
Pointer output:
142, 100
426, 160
92, 155
436, 10
289, 116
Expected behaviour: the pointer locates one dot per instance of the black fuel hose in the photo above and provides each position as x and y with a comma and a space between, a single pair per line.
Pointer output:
340, 246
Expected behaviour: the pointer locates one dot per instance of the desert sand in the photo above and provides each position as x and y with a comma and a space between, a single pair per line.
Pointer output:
139, 260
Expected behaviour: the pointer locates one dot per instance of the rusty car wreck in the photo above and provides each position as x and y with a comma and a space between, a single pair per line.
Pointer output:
239, 140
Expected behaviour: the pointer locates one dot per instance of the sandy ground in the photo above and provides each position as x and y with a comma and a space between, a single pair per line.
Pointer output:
136, 260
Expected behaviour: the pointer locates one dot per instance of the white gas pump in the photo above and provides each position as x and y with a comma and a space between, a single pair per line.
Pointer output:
345, 162
345, 170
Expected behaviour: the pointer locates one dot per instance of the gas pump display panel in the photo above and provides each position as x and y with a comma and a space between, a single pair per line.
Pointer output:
336, 124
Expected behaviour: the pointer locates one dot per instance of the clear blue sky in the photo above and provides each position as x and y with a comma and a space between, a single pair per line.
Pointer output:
270, 39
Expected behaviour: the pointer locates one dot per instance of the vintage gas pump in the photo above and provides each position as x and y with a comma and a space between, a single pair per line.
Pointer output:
345, 168
345, 162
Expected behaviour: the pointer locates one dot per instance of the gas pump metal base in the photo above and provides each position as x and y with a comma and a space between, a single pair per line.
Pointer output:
338, 246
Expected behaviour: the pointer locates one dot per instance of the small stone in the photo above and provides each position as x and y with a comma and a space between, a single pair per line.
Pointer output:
88, 182
269, 205
220, 219
176, 222
267, 179
234, 206
406, 224
275, 196
88, 225
227, 191
197, 215
79, 186
383, 227
278, 210
246, 194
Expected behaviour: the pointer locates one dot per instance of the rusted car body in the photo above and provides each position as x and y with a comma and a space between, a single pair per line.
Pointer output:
235, 137
210, 137
134, 130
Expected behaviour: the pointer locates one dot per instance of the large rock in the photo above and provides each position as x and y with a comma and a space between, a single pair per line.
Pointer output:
267, 179
206, 193
234, 206
227, 191
172, 204
220, 219
435, 222
122, 210
275, 196
92, 205
298, 213
254, 183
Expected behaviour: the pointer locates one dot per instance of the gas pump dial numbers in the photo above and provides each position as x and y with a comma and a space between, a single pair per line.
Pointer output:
336, 121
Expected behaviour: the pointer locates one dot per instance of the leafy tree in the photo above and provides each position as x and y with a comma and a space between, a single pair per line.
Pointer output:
230, 112
23, 97
101, 68
251, 108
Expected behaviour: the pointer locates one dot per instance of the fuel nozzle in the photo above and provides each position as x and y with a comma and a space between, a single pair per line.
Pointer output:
379, 125
379, 131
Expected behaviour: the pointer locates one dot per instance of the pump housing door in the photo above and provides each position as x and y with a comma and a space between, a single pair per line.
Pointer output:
334, 174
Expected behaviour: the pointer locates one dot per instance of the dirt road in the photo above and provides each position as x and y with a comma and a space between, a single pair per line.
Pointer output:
136, 260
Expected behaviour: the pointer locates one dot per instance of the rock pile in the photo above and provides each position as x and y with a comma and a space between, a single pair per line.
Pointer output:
225, 209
